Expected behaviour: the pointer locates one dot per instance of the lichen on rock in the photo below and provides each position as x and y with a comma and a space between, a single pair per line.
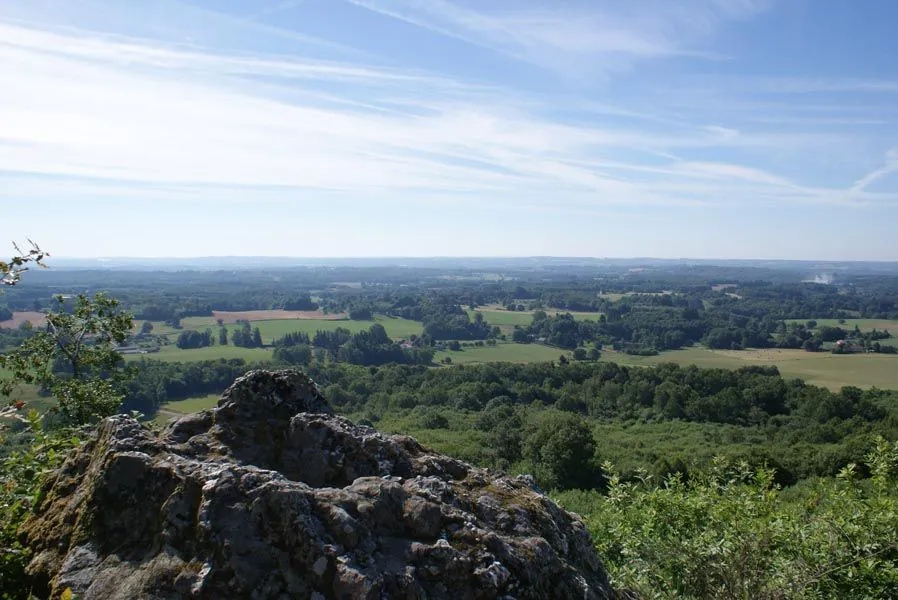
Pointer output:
270, 495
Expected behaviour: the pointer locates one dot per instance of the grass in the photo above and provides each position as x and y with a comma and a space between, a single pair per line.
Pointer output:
509, 352
613, 296
159, 327
396, 328
271, 330
849, 324
174, 354
27, 393
504, 317
170, 410
509, 318
833, 371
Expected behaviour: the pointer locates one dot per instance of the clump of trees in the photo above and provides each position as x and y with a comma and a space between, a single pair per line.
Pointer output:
445, 320
301, 302
194, 339
246, 336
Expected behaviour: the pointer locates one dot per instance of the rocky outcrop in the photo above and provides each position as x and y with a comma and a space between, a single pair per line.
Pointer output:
270, 495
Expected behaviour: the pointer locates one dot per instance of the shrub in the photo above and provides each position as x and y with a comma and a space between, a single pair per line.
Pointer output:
728, 532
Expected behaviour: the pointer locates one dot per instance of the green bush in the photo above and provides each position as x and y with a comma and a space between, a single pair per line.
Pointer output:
728, 532
21, 474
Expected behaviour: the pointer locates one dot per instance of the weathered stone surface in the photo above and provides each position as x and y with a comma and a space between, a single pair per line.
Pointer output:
270, 495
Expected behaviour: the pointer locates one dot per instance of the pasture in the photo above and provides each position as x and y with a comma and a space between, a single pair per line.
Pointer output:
503, 318
275, 328
159, 327
270, 330
271, 315
172, 353
495, 315
508, 352
170, 410
863, 324
828, 370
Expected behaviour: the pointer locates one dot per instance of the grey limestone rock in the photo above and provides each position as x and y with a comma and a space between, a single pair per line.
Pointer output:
272, 496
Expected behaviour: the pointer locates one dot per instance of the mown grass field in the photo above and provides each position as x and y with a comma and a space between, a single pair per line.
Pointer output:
819, 368
508, 352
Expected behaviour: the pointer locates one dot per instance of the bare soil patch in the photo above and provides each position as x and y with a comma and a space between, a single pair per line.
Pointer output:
272, 315
35, 318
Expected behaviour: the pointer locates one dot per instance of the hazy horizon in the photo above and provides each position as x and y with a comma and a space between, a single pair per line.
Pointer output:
447, 258
712, 129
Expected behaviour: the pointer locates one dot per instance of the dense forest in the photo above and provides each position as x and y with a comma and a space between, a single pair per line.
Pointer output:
803, 430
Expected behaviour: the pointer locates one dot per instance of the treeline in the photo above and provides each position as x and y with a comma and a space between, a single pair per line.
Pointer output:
800, 429
243, 337
156, 382
194, 339
634, 330
752, 414
811, 337
748, 397
444, 319
370, 347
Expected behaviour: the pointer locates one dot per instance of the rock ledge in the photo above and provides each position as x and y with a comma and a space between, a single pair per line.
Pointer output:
270, 495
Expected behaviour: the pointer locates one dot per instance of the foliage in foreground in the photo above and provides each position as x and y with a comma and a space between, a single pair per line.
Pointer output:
21, 474
730, 532
75, 358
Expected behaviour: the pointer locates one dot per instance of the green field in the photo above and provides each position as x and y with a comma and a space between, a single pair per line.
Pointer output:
27, 393
509, 352
159, 327
863, 324
273, 329
819, 368
174, 354
170, 410
510, 318
503, 317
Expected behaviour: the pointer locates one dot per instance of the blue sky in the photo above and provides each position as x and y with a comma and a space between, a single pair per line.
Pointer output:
688, 128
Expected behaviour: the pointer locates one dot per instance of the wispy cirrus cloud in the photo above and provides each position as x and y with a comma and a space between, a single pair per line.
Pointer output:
113, 113
576, 38
890, 166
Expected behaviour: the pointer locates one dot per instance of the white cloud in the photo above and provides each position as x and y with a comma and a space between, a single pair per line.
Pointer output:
578, 39
115, 114
890, 166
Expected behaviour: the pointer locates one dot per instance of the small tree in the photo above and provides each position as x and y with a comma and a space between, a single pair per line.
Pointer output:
11, 271
560, 447
75, 358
